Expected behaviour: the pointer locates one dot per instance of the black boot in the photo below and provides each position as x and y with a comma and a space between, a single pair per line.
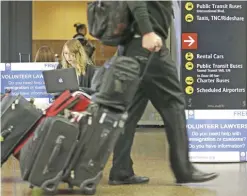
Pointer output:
129, 180
183, 169
198, 176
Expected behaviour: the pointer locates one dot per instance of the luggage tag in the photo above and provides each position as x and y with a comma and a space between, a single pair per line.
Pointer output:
74, 117
78, 115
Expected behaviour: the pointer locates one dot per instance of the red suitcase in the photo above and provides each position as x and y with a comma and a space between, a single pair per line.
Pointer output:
77, 101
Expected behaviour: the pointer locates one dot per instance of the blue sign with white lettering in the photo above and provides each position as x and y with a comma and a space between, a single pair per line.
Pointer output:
217, 135
26, 79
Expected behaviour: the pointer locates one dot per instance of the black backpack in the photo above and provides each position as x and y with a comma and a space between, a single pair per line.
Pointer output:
110, 22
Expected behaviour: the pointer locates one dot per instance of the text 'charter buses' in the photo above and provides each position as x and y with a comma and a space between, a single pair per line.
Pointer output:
209, 80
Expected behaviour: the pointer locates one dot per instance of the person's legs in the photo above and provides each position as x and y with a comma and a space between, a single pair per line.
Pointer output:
122, 168
164, 90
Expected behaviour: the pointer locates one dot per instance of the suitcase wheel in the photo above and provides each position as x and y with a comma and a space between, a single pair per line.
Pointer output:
50, 186
88, 187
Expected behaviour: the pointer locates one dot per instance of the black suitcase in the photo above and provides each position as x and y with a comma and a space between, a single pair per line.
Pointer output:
100, 129
44, 158
18, 116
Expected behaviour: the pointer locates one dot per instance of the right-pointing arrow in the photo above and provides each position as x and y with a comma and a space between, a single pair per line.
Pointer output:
190, 41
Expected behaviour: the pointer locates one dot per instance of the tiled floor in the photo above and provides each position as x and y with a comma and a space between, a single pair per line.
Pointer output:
150, 157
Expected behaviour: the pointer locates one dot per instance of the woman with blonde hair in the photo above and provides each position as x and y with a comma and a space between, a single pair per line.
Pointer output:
74, 55
45, 54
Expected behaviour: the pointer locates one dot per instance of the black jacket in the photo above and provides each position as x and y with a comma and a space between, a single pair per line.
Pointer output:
81, 38
88, 46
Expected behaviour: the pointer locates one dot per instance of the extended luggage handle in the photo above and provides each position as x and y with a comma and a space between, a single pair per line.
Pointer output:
147, 65
144, 70
55, 152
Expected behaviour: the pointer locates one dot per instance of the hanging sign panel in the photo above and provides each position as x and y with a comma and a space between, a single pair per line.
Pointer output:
213, 73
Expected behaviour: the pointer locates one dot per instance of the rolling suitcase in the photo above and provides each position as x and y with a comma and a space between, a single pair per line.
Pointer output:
48, 153
100, 129
18, 116
77, 101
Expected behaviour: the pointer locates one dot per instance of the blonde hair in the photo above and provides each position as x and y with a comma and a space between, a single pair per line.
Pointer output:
77, 49
45, 54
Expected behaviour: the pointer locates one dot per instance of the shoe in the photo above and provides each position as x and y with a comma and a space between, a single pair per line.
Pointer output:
130, 180
198, 177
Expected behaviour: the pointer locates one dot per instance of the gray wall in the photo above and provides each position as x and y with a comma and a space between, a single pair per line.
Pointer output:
16, 30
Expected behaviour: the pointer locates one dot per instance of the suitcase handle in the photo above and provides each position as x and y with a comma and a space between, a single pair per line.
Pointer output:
78, 93
55, 153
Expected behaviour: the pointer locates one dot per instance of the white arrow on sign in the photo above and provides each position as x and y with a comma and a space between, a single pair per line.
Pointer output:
190, 41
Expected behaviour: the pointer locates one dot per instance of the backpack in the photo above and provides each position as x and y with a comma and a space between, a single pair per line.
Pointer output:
110, 22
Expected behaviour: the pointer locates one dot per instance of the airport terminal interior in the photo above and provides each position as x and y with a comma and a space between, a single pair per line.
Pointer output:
29, 25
